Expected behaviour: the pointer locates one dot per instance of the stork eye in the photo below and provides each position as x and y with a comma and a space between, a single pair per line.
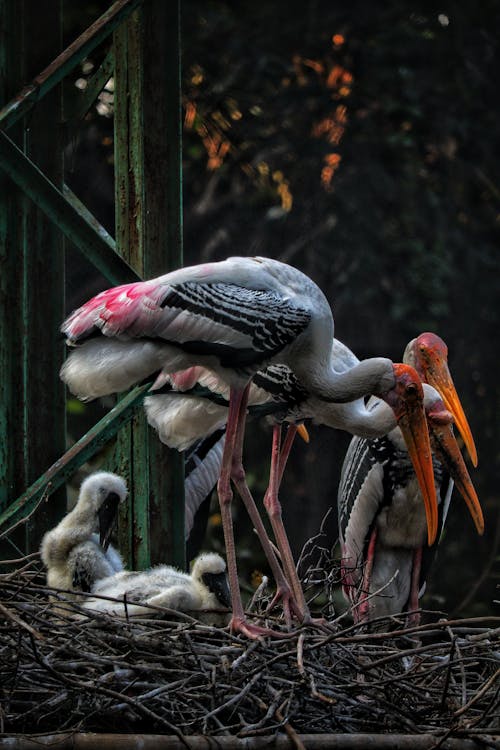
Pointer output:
411, 389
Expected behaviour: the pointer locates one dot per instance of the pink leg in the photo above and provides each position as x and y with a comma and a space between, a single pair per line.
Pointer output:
283, 592
285, 450
234, 438
273, 507
361, 610
414, 619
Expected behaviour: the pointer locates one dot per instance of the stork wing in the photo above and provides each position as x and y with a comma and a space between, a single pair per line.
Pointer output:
82, 578
360, 496
203, 464
240, 325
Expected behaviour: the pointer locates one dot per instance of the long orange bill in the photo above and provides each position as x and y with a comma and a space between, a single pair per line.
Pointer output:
407, 401
431, 363
447, 450
302, 431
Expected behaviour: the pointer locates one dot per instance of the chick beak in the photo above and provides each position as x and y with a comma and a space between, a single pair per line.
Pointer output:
431, 363
448, 452
107, 515
407, 401
218, 584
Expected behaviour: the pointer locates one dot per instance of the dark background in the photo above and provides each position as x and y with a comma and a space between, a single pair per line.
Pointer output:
360, 143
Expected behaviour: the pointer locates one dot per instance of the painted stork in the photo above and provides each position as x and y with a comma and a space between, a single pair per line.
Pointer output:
381, 524
206, 588
234, 317
77, 551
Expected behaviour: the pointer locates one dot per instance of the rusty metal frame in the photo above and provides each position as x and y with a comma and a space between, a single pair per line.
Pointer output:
145, 57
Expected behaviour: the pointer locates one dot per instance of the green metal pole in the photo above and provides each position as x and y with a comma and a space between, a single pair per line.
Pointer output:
33, 409
149, 237
43, 278
11, 453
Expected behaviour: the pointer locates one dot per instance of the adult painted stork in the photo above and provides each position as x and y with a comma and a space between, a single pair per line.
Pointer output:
234, 317
385, 559
77, 551
205, 588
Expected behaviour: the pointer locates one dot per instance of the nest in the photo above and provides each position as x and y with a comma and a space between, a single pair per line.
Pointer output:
177, 676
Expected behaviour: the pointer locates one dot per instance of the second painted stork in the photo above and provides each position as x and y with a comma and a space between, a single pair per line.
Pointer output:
385, 557
234, 317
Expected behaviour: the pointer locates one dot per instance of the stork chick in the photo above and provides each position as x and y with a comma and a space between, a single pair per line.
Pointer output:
206, 588
77, 552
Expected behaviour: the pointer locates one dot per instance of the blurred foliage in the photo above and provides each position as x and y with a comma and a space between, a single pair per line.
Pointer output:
359, 143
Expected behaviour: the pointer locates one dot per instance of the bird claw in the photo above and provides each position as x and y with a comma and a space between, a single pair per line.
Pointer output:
289, 604
292, 607
255, 632
317, 622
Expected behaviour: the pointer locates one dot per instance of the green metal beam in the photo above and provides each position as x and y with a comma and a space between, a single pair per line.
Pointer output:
83, 100
66, 61
86, 234
81, 451
149, 235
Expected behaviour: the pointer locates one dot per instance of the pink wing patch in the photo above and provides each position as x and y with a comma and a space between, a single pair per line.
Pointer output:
112, 310
184, 380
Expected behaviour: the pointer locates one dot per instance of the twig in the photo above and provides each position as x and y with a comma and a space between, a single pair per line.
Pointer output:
18, 621
44, 496
479, 693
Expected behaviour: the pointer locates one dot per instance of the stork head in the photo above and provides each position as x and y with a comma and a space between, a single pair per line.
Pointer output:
100, 495
428, 354
209, 570
446, 448
406, 399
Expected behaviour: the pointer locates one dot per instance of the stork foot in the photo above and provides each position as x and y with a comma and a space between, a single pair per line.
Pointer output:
255, 632
413, 619
289, 603
292, 608
317, 622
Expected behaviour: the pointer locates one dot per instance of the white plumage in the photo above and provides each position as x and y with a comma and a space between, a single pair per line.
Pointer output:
206, 588
73, 552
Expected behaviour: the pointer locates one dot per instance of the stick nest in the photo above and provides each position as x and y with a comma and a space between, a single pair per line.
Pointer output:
175, 675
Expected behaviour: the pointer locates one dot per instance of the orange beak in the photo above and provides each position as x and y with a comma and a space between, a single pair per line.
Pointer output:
407, 402
302, 431
447, 450
431, 362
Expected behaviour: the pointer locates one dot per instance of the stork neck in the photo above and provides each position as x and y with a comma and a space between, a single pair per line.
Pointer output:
370, 376
371, 420
81, 522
